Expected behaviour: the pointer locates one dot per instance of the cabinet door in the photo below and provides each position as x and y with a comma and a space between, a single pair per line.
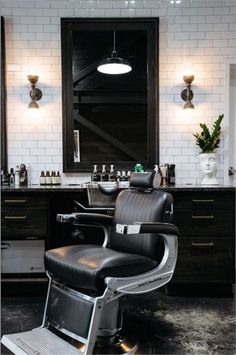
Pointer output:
205, 259
22, 256
24, 221
204, 222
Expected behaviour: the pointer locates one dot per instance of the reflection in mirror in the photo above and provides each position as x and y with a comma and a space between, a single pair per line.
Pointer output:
109, 118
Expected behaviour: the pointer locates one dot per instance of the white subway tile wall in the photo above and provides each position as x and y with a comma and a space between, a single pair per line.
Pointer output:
196, 36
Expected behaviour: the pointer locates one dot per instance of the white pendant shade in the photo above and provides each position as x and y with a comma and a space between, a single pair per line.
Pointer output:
114, 68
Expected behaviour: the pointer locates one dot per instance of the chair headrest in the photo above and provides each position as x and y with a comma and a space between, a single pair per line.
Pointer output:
142, 180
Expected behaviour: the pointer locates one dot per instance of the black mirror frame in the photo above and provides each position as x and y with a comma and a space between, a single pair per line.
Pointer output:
151, 25
3, 99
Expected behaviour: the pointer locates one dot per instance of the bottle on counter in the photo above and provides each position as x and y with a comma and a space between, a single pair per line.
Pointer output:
128, 176
23, 175
28, 170
157, 177
95, 176
58, 178
167, 173
118, 176
112, 175
12, 177
48, 178
163, 170
172, 174
54, 178
5, 178
17, 176
123, 176
138, 168
42, 179
104, 175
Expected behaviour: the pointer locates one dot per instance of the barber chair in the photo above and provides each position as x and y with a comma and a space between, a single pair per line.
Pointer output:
83, 312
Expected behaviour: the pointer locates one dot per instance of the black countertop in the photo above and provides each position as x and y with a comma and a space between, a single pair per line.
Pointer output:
82, 187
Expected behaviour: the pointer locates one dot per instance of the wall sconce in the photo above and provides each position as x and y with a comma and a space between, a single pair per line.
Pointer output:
35, 93
187, 94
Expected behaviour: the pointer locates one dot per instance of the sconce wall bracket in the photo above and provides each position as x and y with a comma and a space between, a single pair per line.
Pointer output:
187, 94
35, 93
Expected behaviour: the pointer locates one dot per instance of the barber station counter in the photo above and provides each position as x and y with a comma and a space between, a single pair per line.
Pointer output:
205, 217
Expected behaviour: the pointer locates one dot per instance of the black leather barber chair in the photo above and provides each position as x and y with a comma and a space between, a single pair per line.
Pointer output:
83, 312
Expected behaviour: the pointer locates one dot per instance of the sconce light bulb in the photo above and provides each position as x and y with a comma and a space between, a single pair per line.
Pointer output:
188, 79
33, 104
33, 79
188, 105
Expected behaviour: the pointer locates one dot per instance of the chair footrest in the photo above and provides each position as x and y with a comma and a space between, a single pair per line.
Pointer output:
40, 341
69, 312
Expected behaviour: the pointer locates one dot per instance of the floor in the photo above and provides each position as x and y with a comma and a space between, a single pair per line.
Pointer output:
163, 324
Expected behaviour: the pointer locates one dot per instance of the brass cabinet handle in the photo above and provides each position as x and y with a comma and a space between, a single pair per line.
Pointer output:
203, 217
203, 245
203, 201
15, 218
14, 201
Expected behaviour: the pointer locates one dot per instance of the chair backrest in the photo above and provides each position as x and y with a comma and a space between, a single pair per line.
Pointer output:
140, 204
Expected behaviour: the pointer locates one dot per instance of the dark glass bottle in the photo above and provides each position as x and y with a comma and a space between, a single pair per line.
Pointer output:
112, 175
58, 178
172, 174
104, 175
123, 176
5, 178
12, 177
95, 176
167, 173
118, 175
128, 176
42, 178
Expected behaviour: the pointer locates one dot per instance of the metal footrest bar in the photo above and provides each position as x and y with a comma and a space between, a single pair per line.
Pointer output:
39, 341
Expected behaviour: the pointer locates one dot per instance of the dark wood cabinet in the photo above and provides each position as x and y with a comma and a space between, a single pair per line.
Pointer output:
25, 230
206, 222
24, 216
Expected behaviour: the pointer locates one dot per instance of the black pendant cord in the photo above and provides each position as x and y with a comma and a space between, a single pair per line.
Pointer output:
114, 52
114, 40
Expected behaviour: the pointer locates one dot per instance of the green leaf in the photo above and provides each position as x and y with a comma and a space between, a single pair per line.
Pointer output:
207, 141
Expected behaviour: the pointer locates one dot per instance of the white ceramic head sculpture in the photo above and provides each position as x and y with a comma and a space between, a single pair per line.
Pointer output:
208, 167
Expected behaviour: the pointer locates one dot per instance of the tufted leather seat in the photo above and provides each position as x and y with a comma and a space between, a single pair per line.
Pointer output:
86, 266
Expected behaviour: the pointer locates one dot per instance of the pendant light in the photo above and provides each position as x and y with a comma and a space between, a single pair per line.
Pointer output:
114, 65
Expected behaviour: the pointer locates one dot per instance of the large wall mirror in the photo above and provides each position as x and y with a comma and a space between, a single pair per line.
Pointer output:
109, 118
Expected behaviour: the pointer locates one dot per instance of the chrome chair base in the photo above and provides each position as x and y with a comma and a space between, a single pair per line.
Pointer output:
116, 345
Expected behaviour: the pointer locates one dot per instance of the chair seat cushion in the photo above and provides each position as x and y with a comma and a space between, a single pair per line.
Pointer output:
86, 266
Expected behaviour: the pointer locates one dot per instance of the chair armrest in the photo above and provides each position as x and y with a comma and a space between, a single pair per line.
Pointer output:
85, 218
97, 219
147, 227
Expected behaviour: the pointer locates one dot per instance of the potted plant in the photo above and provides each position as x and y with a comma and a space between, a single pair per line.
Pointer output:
208, 142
